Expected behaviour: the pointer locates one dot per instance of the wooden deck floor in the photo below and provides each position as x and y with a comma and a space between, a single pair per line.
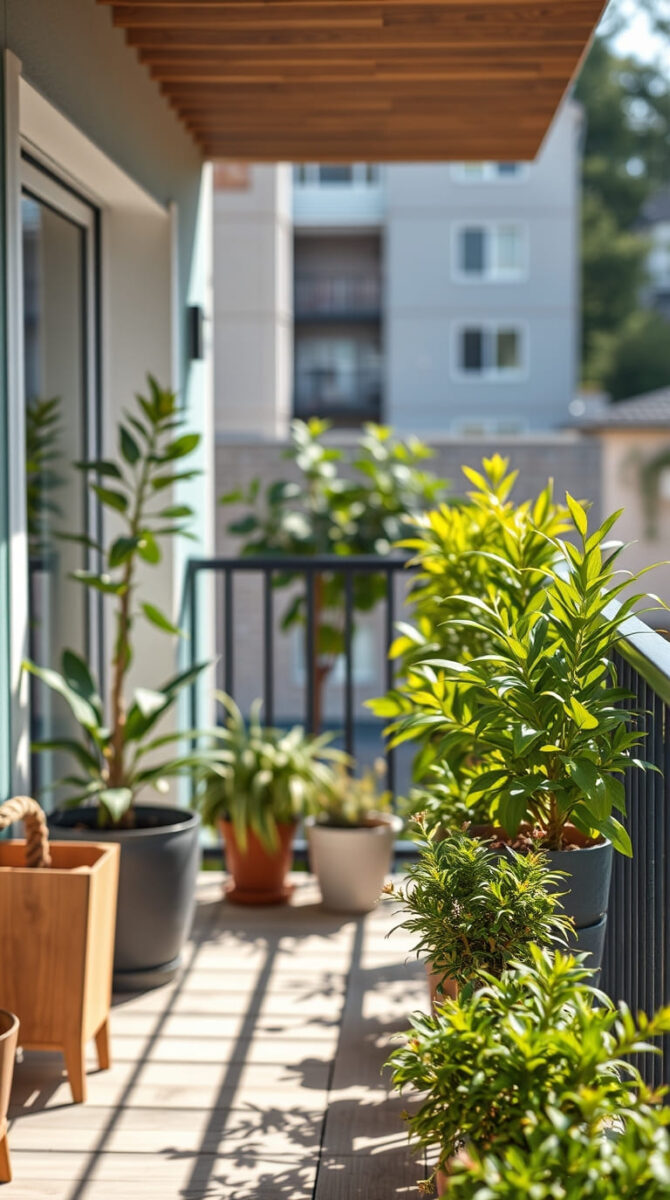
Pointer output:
254, 1076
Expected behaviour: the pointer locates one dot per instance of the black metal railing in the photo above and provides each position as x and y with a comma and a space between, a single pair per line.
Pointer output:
636, 965
305, 574
319, 294
322, 391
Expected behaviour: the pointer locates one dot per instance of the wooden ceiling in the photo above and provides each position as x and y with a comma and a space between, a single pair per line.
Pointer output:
362, 80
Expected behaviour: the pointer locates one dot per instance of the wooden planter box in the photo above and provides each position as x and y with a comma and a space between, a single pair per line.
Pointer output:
57, 947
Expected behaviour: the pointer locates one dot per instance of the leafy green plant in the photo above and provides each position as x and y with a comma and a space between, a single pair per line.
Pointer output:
339, 506
487, 548
542, 714
501, 1060
352, 799
114, 744
260, 777
564, 1161
473, 911
42, 437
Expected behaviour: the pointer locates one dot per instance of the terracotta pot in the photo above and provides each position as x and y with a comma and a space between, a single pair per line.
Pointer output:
259, 876
442, 1177
450, 988
9, 1031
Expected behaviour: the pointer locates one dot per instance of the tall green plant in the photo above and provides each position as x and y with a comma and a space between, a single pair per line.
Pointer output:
542, 714
42, 481
338, 505
115, 741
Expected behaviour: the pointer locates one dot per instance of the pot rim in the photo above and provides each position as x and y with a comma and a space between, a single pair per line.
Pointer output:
386, 821
189, 818
489, 831
13, 1024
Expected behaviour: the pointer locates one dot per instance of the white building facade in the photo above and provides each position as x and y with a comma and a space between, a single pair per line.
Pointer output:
439, 298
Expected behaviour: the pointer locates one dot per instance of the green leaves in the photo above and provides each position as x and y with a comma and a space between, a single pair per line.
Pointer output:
110, 498
128, 446
158, 618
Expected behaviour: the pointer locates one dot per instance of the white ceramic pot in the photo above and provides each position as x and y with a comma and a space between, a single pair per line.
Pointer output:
352, 864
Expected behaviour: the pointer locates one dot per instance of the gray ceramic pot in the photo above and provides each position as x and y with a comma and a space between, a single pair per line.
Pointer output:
157, 878
590, 939
589, 872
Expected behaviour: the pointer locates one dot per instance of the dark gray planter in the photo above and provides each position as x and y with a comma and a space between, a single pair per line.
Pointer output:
157, 878
587, 886
590, 940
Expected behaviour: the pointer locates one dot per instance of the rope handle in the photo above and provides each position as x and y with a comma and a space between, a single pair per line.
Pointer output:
22, 808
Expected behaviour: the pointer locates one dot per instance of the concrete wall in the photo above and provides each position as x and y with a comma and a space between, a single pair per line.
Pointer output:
84, 104
253, 304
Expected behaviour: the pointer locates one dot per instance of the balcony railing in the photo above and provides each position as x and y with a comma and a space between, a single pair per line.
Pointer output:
337, 394
636, 965
352, 296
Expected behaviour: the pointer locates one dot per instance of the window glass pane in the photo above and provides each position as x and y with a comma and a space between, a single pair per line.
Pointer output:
335, 174
473, 170
508, 169
507, 349
508, 248
472, 251
472, 350
54, 323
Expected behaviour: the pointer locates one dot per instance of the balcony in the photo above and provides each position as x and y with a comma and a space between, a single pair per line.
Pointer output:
345, 397
255, 1077
320, 297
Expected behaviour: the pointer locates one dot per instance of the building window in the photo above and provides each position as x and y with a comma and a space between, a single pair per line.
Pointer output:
488, 172
491, 351
335, 174
493, 252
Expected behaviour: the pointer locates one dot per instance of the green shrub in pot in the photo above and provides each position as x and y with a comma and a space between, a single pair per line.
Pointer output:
563, 1161
351, 839
473, 912
543, 717
257, 785
498, 1061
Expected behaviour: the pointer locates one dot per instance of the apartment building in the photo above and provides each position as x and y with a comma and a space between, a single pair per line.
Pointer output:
440, 298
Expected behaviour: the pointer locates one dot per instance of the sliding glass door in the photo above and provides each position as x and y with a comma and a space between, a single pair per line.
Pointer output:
60, 374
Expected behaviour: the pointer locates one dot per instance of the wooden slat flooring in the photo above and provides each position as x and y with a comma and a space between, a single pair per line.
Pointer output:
254, 1076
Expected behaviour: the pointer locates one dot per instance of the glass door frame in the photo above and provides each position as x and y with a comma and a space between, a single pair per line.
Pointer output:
39, 182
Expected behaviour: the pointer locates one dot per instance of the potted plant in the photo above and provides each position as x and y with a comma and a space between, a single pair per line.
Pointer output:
542, 716
256, 786
581, 1162
473, 912
538, 1044
57, 918
120, 752
351, 839
9, 1032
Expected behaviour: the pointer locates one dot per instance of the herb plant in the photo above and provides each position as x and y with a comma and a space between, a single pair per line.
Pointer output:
353, 799
111, 752
473, 911
564, 1161
259, 778
538, 1044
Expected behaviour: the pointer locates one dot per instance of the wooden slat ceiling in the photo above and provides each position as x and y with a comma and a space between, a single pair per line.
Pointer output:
362, 80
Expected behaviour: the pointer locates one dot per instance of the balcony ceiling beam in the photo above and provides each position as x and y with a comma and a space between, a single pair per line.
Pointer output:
370, 80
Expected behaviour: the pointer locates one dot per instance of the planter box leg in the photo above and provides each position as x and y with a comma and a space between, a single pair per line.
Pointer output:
102, 1046
75, 1058
5, 1164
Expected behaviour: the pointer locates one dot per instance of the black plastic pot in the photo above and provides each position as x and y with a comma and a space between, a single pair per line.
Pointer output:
157, 878
590, 939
